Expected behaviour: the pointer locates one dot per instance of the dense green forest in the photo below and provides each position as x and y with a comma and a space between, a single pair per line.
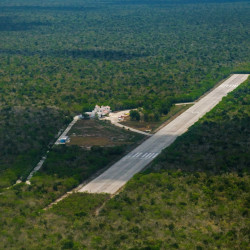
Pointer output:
59, 58
181, 202
205, 147
66, 56
74, 54
25, 135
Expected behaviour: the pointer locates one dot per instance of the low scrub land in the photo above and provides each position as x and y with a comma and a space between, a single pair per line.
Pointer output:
88, 133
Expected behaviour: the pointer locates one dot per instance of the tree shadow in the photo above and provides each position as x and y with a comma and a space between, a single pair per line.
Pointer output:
7, 24
168, 2
78, 53
48, 8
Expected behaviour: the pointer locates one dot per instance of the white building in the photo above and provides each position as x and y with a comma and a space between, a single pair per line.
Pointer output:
99, 111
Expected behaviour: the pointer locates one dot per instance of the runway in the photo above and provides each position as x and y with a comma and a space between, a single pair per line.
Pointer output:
117, 175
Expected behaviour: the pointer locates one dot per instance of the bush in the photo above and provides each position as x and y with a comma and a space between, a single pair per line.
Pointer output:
135, 115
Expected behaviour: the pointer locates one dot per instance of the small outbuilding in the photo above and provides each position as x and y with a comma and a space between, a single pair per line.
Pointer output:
64, 139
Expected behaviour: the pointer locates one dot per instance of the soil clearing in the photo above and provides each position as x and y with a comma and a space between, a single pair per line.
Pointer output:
88, 133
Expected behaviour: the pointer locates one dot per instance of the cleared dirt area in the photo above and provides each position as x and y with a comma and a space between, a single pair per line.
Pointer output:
152, 126
113, 179
88, 133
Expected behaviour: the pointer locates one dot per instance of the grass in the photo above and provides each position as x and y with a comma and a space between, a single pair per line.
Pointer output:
152, 126
89, 141
88, 133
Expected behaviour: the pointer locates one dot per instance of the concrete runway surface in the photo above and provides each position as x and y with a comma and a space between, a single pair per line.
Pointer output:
117, 175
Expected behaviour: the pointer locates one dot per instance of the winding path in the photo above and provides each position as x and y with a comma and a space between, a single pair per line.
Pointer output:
114, 119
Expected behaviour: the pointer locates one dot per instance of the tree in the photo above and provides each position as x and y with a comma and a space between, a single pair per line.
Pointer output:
85, 116
146, 117
156, 116
135, 115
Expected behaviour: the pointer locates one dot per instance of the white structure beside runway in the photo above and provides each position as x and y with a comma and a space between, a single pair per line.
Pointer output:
117, 175
99, 111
